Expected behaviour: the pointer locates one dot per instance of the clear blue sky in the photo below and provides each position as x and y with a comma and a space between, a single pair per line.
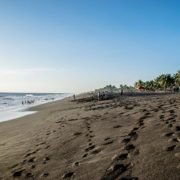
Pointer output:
80, 45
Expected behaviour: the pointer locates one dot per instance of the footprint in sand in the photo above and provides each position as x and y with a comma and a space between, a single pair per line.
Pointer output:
107, 138
72, 120
42, 143
90, 148
174, 116
33, 166
76, 164
120, 157
108, 142
133, 135
128, 107
171, 111
91, 136
170, 119
96, 151
129, 178
68, 175
169, 148
126, 140
57, 122
129, 147
85, 155
141, 123
136, 152
170, 125
77, 133
46, 159
15, 165
48, 133
29, 175
45, 174
135, 129
173, 140
142, 118
177, 128
31, 160
31, 153
117, 126
161, 117
173, 121
114, 171
18, 173
47, 147
168, 134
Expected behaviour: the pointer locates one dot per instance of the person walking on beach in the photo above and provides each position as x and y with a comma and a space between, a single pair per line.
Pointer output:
74, 97
121, 91
99, 96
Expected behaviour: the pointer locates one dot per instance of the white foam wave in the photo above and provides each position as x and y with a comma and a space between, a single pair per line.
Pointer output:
13, 106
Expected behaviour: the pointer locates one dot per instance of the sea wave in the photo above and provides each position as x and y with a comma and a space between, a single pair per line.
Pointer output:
14, 105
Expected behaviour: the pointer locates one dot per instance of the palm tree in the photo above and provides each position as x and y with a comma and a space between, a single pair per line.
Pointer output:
149, 85
160, 81
169, 81
126, 88
164, 81
177, 79
139, 84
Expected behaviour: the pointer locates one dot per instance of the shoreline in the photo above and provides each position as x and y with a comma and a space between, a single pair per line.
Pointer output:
24, 111
93, 139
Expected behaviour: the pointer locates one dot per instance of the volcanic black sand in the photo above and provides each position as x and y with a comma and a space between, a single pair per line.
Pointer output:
126, 138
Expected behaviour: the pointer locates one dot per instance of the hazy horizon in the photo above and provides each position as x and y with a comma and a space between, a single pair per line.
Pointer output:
78, 46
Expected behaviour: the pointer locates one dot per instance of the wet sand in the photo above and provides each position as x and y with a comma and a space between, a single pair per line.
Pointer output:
126, 138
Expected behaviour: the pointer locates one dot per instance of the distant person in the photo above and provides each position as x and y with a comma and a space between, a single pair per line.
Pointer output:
99, 96
121, 92
74, 97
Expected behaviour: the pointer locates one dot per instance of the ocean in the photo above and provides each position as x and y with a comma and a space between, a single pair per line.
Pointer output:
15, 105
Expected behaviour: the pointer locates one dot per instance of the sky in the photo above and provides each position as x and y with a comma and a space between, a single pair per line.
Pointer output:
80, 45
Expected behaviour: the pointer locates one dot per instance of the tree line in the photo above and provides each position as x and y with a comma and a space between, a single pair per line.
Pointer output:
163, 82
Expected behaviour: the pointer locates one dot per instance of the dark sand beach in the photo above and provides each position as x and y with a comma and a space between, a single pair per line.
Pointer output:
127, 138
